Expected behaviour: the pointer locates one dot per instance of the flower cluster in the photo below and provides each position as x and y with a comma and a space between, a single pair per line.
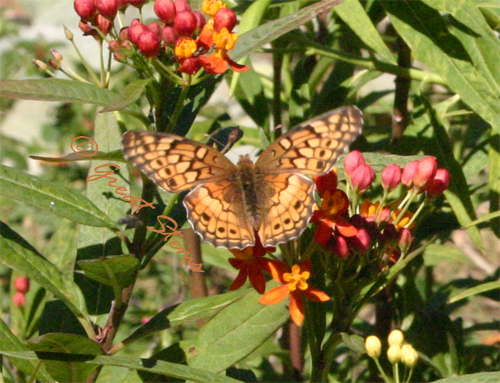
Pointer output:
397, 353
252, 265
179, 33
22, 286
374, 231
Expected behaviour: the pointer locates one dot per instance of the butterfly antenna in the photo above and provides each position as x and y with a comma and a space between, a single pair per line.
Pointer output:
232, 138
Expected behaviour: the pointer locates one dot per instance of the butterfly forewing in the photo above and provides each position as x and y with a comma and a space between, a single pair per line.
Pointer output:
175, 163
313, 147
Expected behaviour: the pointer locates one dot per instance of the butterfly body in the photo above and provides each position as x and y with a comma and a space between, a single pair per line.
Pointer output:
229, 203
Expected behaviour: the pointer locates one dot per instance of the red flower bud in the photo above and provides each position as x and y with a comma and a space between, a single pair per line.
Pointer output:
22, 284
165, 10
119, 57
126, 45
190, 65
149, 43
169, 35
385, 215
85, 27
361, 241
185, 23
224, 18
200, 20
135, 31
391, 177
352, 161
361, 178
103, 24
408, 174
405, 239
19, 299
85, 8
341, 248
123, 34
425, 172
137, 3
107, 8
439, 184
114, 46
182, 5
135, 21
155, 27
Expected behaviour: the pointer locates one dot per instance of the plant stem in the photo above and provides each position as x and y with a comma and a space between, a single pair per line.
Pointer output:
381, 370
179, 106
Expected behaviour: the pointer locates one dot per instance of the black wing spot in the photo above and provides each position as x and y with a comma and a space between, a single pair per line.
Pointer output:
205, 217
221, 230
232, 231
277, 226
328, 143
287, 221
167, 170
171, 182
297, 205
320, 164
322, 153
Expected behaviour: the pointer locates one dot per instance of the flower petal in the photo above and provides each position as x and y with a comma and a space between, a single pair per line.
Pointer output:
214, 63
237, 67
345, 228
277, 269
297, 309
240, 280
275, 295
316, 295
257, 280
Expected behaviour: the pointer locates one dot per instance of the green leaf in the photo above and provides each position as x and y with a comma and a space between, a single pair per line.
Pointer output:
480, 377
354, 15
258, 37
484, 218
425, 32
51, 197
355, 342
235, 332
118, 271
55, 90
10, 342
21, 256
66, 371
115, 155
435, 254
186, 312
153, 366
476, 290
130, 94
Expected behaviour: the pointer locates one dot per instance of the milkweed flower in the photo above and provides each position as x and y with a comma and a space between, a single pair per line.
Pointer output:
294, 285
251, 263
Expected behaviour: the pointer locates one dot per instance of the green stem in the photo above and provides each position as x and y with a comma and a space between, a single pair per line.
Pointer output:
179, 106
424, 203
169, 73
413, 193
395, 370
35, 371
409, 376
86, 65
381, 370
71, 74
414, 74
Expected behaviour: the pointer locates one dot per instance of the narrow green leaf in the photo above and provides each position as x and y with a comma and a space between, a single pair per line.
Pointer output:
425, 32
10, 342
153, 366
355, 342
258, 37
21, 256
51, 197
61, 370
235, 332
354, 15
130, 94
118, 271
480, 377
186, 312
495, 285
55, 90
484, 218
115, 155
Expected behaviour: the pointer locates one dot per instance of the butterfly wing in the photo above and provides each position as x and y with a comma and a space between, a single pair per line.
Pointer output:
175, 163
313, 147
217, 212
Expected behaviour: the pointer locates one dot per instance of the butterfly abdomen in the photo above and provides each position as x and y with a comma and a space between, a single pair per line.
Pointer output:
250, 182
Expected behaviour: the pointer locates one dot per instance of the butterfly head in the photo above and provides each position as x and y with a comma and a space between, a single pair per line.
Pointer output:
245, 161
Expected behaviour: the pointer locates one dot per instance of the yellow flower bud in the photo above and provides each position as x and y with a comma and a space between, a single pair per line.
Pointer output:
396, 337
373, 346
409, 355
394, 354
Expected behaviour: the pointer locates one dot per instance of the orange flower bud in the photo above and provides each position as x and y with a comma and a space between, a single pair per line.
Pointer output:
211, 7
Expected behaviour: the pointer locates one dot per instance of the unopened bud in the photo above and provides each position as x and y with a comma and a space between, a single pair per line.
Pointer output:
55, 64
352, 161
19, 299
210, 7
22, 284
396, 337
409, 355
190, 65
85, 27
373, 346
439, 183
57, 56
408, 174
425, 172
405, 239
86, 9
69, 35
155, 27
40, 64
134, 31
394, 354
169, 35
149, 43
361, 178
185, 23
341, 248
182, 5
225, 18
107, 8
200, 20
103, 24
165, 10
137, 3
122, 5
361, 241
391, 177
123, 34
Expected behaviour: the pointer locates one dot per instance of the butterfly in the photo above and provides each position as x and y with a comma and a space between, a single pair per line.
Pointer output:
230, 204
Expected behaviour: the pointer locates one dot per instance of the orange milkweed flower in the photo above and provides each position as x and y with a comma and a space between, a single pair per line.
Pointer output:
334, 205
293, 285
211, 7
251, 262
